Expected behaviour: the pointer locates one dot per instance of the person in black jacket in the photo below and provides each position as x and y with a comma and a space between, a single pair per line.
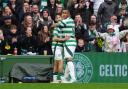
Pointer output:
28, 42
81, 46
44, 41
80, 27
105, 11
12, 39
2, 43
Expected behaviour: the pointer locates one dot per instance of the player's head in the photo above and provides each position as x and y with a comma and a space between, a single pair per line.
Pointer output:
65, 14
58, 18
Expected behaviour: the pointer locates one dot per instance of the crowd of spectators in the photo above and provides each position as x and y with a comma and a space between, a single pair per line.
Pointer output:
26, 26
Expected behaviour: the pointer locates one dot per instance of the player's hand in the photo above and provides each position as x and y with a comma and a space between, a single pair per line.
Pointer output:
67, 37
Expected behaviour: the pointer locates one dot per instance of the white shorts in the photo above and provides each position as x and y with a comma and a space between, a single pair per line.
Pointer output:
67, 54
62, 53
58, 53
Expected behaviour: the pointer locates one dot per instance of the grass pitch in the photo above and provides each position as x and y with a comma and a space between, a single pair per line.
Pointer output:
64, 86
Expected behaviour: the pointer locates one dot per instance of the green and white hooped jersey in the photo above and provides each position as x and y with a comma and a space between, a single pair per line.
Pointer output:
57, 33
67, 27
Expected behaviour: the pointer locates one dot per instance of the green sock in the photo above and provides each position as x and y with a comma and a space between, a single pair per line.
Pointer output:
59, 75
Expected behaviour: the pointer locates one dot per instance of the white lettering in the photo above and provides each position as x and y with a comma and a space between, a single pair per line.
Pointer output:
113, 70
124, 70
102, 69
116, 70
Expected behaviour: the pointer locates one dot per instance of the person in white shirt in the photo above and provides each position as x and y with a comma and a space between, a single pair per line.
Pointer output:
111, 40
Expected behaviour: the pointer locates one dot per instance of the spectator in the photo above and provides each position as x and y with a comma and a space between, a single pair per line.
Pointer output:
111, 40
28, 22
80, 27
28, 1
12, 39
23, 10
125, 23
87, 11
63, 2
59, 9
84, 8
90, 37
96, 5
93, 19
45, 19
124, 44
44, 41
52, 8
28, 42
81, 46
2, 43
7, 12
38, 2
113, 21
12, 5
73, 8
1, 6
35, 16
105, 11
6, 25
123, 12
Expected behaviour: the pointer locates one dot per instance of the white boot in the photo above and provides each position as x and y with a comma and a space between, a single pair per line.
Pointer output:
55, 79
64, 79
66, 72
71, 71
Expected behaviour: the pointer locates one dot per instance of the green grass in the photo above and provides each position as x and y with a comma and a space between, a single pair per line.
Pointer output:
64, 86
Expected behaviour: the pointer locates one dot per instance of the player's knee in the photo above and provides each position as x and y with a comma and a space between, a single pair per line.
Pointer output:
68, 59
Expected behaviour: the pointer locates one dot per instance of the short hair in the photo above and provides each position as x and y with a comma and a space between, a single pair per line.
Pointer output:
123, 2
67, 11
77, 14
91, 23
13, 27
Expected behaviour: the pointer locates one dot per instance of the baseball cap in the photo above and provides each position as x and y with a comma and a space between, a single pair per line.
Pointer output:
110, 27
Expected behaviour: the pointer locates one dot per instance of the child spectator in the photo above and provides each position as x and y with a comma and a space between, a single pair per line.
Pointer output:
81, 45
